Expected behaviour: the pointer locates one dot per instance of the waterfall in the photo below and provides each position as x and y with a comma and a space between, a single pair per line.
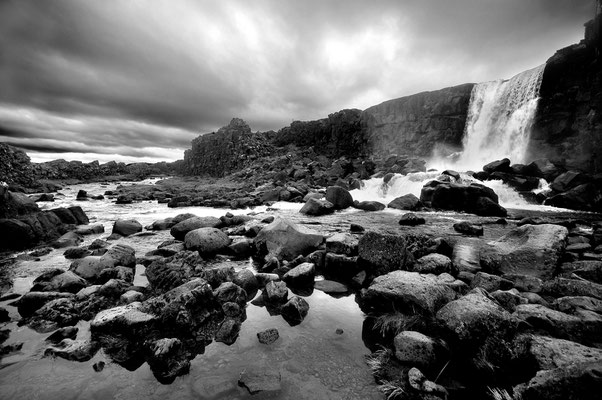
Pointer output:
500, 116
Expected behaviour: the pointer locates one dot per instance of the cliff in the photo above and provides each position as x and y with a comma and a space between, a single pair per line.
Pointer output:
418, 124
15, 166
568, 124
338, 135
230, 149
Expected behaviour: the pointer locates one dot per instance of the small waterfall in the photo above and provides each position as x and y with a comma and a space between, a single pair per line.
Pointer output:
499, 121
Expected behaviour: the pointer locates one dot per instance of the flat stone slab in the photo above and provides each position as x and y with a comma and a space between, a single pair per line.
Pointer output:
260, 381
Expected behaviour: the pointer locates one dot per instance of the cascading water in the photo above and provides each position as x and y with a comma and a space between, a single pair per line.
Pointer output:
499, 120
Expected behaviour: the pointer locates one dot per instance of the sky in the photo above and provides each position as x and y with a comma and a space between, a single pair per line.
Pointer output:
137, 80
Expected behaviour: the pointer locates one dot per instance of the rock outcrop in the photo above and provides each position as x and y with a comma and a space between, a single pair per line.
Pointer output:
418, 124
232, 148
568, 122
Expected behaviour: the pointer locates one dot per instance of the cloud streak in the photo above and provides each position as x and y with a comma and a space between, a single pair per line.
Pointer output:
105, 76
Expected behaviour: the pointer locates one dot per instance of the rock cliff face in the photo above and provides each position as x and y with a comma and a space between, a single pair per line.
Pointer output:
340, 134
418, 124
230, 149
15, 166
568, 123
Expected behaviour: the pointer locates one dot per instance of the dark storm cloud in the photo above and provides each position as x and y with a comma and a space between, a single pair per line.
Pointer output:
105, 76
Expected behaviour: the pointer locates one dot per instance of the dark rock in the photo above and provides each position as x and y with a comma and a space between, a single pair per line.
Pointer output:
58, 280
246, 280
331, 287
69, 239
268, 336
207, 241
167, 359
30, 302
301, 275
380, 253
560, 287
74, 350
69, 332
411, 219
406, 202
228, 332
294, 310
126, 227
317, 207
533, 250
339, 197
286, 240
369, 205
180, 229
502, 165
467, 228
407, 291
356, 228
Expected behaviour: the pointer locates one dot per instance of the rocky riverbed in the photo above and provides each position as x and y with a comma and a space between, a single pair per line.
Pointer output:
361, 302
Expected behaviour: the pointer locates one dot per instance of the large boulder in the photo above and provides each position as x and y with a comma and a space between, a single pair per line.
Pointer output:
207, 241
285, 240
533, 250
58, 280
317, 207
91, 267
407, 291
474, 318
301, 276
121, 254
16, 234
472, 198
380, 253
339, 197
180, 229
406, 202
126, 227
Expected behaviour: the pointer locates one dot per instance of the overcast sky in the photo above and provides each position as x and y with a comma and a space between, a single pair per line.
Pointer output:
137, 80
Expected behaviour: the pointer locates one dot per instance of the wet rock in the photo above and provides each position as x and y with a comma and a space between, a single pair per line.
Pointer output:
411, 219
502, 165
74, 350
407, 202
525, 283
473, 198
131, 296
341, 266
76, 253
339, 197
433, 264
56, 313
91, 267
331, 287
165, 276
466, 258
467, 228
87, 292
30, 302
246, 280
560, 287
90, 230
490, 282
228, 332
301, 275
533, 250
414, 348
180, 229
572, 304
407, 291
121, 255
317, 207
168, 360
128, 320
113, 288
4, 316
229, 292
575, 382
263, 381
68, 332
268, 336
369, 205
473, 318
161, 224
356, 228
232, 310
264, 278
286, 240
342, 243
380, 253
242, 248
207, 241
126, 227
215, 276
550, 353
276, 292
58, 280
69, 239
557, 323
508, 299
426, 389
294, 310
